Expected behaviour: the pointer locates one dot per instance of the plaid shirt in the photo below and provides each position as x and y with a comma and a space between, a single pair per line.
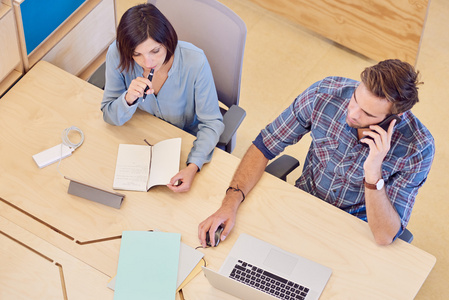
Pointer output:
333, 169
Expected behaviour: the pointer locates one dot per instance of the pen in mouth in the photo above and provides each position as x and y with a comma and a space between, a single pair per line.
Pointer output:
150, 78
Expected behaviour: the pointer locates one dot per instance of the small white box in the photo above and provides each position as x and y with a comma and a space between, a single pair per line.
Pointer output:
52, 155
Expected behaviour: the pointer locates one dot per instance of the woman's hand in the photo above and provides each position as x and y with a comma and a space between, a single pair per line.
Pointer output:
182, 181
137, 89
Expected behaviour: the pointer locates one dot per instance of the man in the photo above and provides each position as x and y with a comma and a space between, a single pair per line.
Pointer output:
353, 164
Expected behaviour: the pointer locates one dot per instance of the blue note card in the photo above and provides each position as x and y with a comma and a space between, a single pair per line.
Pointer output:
147, 266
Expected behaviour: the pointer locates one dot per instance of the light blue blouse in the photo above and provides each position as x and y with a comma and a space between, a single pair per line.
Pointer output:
188, 98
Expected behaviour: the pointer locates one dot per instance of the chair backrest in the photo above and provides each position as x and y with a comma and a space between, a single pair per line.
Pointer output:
219, 32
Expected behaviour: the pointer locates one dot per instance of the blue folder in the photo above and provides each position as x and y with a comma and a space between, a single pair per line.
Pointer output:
148, 265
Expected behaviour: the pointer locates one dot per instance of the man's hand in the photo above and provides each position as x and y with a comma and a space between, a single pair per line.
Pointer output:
226, 215
182, 181
379, 147
248, 173
383, 218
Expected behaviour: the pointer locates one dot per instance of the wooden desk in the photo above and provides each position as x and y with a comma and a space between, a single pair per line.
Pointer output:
44, 271
34, 113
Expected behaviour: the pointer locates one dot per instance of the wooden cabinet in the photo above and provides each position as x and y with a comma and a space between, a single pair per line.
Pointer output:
78, 42
79, 49
10, 60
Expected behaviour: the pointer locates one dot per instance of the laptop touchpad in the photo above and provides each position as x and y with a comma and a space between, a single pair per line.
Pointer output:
280, 261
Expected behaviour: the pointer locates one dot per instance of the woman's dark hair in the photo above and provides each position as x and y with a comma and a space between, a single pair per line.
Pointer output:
395, 81
137, 25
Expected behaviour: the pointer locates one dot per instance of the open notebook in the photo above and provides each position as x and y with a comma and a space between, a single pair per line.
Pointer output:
140, 167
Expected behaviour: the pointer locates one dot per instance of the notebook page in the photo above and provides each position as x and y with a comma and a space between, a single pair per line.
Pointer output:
165, 162
132, 167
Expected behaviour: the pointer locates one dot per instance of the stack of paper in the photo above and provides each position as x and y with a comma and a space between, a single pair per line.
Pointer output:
153, 265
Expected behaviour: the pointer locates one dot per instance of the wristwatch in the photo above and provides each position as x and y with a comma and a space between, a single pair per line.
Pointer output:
377, 186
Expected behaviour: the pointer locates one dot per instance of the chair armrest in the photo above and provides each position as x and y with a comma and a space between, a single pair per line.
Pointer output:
406, 235
282, 166
232, 120
98, 77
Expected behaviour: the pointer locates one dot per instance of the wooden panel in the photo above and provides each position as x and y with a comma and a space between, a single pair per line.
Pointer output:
55, 37
9, 80
42, 18
10, 58
89, 70
34, 269
6, 2
21, 266
75, 52
378, 29
4, 8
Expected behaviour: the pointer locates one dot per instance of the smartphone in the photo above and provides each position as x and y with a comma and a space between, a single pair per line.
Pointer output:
385, 124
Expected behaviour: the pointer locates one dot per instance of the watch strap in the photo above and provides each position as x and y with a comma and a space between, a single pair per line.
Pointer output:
369, 185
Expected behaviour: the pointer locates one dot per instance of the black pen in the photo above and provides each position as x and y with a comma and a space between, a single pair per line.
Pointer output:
150, 78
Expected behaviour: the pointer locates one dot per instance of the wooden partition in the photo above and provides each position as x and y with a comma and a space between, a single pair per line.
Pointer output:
77, 42
378, 29
11, 67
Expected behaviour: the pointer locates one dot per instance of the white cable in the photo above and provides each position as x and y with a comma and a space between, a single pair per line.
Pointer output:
66, 141
65, 137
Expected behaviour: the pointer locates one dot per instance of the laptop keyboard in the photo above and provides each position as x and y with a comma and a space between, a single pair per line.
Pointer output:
267, 282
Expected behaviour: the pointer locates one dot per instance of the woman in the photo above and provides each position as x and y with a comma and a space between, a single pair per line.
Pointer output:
181, 92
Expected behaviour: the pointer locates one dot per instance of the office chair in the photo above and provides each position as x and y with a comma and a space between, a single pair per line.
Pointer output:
221, 34
98, 77
406, 235
282, 166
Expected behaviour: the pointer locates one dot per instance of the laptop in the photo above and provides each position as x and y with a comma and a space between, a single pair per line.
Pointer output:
255, 269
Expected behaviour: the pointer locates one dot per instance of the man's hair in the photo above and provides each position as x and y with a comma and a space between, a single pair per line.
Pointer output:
137, 25
394, 80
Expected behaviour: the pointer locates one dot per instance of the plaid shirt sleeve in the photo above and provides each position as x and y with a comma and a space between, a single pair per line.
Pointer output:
290, 126
406, 167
